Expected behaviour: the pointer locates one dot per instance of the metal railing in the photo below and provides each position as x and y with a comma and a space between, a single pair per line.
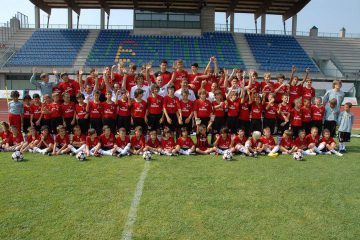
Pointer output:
8, 29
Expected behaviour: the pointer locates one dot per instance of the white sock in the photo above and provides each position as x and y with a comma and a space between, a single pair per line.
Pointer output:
341, 145
106, 153
125, 150
220, 151
275, 149
81, 148
183, 152
319, 148
43, 150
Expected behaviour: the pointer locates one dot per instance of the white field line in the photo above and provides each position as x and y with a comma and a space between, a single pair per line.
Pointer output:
131, 219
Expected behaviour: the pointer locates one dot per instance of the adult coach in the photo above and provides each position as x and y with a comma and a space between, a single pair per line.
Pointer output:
45, 86
335, 93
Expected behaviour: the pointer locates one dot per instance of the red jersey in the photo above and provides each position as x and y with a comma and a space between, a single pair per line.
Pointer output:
137, 143
209, 81
71, 86
171, 104
296, 117
267, 88
286, 143
244, 111
79, 138
155, 104
89, 81
27, 111
95, 109
124, 108
256, 111
138, 109
301, 143
61, 141
36, 111
233, 107
220, 111
102, 85
91, 143
202, 141
153, 144
49, 140
237, 140
122, 143
203, 108
271, 112
308, 93
306, 114
270, 141
68, 109
185, 143
107, 142
295, 91
317, 113
6, 136
255, 85
196, 83
14, 140
281, 91
223, 143
309, 139
186, 108
253, 143
118, 78
80, 111
179, 76
56, 110
108, 110
31, 138
168, 144
47, 107
130, 82
328, 140
165, 75
283, 109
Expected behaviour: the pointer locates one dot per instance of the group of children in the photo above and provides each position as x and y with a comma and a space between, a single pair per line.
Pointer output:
240, 115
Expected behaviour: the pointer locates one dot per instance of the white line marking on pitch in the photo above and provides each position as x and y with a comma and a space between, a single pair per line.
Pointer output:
131, 219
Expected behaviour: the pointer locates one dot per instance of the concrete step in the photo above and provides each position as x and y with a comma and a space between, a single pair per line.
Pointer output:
245, 51
86, 48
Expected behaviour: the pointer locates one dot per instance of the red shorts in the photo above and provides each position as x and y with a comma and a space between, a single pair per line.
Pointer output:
15, 119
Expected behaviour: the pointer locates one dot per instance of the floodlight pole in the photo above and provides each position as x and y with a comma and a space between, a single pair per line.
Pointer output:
294, 25
70, 21
37, 17
102, 18
263, 23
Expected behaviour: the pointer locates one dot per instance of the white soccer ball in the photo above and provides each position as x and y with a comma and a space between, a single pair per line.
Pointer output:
227, 156
81, 156
17, 156
147, 156
298, 156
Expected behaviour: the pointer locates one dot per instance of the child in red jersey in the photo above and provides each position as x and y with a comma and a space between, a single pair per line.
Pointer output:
31, 141
5, 134
62, 141
35, 117
232, 104
223, 142
13, 141
287, 144
109, 111
184, 144
46, 142
123, 111
239, 142
218, 106
267, 87
317, 114
296, 87
244, 112
308, 92
187, 111
68, 113
78, 141
93, 144
202, 109
81, 115
283, 114
153, 144
313, 140
256, 113
306, 116
138, 110
129, 78
154, 108
253, 85
168, 143
137, 141
270, 113
107, 141
45, 117
280, 88
94, 109
268, 143
328, 144
171, 110
301, 143
179, 74
253, 144
202, 143
122, 144
296, 117
56, 113
27, 114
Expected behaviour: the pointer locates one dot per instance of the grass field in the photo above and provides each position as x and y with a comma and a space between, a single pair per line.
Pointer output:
197, 197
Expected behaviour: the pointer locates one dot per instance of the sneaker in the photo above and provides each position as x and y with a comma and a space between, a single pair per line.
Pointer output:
311, 154
327, 153
72, 154
284, 153
30, 150
212, 153
338, 154
119, 155
273, 154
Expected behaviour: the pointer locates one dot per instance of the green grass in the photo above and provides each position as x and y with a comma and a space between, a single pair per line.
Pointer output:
197, 197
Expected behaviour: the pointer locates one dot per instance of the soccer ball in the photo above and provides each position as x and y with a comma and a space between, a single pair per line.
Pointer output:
81, 156
17, 156
298, 156
227, 156
147, 156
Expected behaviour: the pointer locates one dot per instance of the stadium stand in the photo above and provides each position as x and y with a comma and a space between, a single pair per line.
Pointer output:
114, 46
55, 47
279, 53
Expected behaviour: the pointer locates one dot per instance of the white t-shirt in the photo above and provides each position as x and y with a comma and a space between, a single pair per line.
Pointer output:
179, 96
146, 90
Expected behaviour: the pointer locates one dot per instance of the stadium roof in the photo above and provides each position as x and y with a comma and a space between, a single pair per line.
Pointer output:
287, 8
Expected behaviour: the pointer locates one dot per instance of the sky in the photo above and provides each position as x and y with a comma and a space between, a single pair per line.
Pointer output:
327, 15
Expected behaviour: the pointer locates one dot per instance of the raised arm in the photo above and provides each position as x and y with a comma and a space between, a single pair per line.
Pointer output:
33, 78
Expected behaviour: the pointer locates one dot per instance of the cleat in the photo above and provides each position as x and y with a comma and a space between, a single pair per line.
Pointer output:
273, 154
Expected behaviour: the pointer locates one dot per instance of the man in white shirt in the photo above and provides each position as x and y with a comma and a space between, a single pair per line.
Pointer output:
185, 86
140, 85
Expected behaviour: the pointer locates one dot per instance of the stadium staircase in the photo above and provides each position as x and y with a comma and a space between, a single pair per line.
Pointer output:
343, 52
245, 51
86, 48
